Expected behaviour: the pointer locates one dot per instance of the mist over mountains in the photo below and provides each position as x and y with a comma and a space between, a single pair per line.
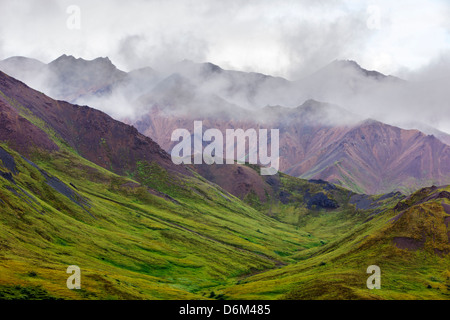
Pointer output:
318, 140
80, 187
225, 150
204, 86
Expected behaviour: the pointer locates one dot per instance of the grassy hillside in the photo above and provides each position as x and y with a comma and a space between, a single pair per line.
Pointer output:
79, 188
410, 243
130, 241
190, 239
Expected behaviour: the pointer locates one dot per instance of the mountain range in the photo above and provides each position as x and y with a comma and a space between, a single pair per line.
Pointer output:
78, 187
318, 140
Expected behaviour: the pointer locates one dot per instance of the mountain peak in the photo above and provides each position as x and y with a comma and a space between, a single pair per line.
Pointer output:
69, 59
65, 57
370, 121
21, 59
311, 103
344, 63
74, 77
102, 59
191, 66
338, 65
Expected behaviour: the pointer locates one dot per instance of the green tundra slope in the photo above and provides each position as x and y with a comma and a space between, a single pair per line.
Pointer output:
79, 188
410, 243
130, 241
133, 242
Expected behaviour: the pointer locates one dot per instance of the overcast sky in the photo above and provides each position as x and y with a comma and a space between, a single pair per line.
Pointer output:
282, 37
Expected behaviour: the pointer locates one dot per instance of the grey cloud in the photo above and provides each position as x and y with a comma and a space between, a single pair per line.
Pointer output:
437, 68
308, 34
137, 51
1, 50
421, 100
315, 45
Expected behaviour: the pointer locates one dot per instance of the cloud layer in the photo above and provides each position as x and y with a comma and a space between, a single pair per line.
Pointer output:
292, 39
286, 38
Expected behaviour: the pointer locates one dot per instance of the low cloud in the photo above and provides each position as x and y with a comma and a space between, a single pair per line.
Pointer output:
284, 38
137, 51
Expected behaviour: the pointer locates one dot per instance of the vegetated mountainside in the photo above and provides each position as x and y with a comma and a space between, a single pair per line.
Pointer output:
410, 243
130, 240
294, 201
161, 232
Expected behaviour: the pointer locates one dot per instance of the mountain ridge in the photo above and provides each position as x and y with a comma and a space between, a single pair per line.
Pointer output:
71, 122
156, 105
141, 229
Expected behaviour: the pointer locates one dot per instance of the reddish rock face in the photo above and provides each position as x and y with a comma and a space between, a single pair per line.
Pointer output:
239, 180
379, 158
93, 134
408, 243
367, 157
19, 133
